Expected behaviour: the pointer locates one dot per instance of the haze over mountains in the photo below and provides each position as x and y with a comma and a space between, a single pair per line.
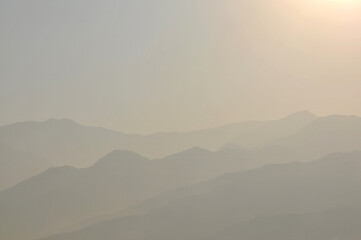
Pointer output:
143, 66
237, 204
64, 142
333, 133
336, 223
183, 195
148, 71
121, 179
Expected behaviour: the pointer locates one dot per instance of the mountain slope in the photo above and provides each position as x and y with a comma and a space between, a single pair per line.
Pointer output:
65, 142
338, 223
204, 209
325, 135
272, 130
16, 166
63, 197
48, 201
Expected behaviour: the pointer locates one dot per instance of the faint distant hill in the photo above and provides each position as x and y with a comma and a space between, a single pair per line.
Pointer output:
337, 223
271, 130
65, 142
16, 166
325, 135
320, 197
65, 197
215, 138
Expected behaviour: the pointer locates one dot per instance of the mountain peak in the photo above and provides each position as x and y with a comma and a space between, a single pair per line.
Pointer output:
302, 114
344, 121
189, 153
195, 150
121, 156
61, 121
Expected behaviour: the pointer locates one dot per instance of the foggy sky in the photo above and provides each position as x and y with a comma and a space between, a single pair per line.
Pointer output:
166, 65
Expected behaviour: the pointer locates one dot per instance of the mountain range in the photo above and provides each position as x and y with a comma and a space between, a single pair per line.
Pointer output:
64, 142
316, 200
63, 197
231, 181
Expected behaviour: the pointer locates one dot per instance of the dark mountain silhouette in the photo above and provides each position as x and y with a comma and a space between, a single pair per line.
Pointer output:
67, 198
201, 210
64, 197
65, 142
16, 166
45, 203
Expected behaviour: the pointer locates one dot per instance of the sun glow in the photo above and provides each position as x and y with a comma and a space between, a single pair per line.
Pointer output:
330, 10
343, 3
334, 3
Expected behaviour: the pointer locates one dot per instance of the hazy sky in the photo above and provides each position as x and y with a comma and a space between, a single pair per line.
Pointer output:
165, 65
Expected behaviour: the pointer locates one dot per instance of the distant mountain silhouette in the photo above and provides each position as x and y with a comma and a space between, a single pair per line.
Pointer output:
69, 196
185, 185
325, 135
16, 166
216, 206
247, 134
65, 142
272, 130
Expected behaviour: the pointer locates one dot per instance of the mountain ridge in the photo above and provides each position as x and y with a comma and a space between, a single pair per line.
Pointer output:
213, 206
